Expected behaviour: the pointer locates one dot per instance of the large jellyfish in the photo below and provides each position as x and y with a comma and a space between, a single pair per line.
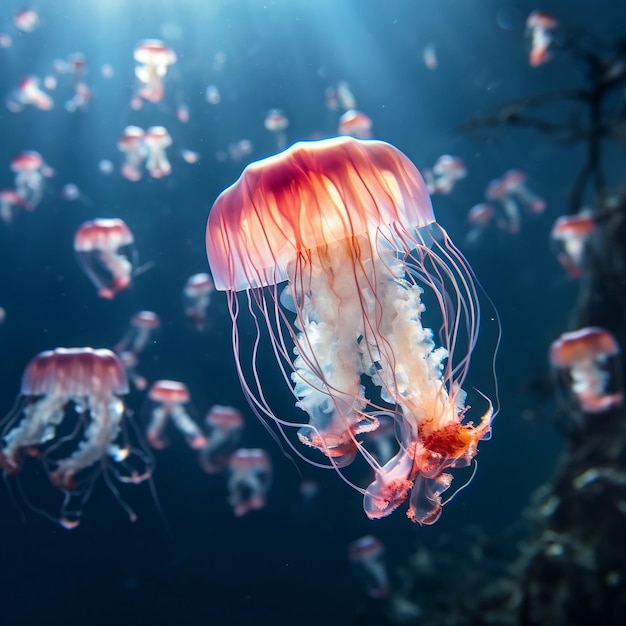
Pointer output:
72, 418
348, 225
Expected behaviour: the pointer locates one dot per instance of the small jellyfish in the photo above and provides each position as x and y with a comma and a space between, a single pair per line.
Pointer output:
345, 96
249, 480
448, 170
223, 426
277, 122
239, 150
156, 140
131, 143
26, 20
130, 361
107, 70
331, 99
6, 41
429, 55
586, 355
70, 192
478, 217
197, 296
367, 556
356, 124
190, 156
153, 58
71, 416
169, 398
497, 192
104, 248
539, 27
142, 327
212, 95
29, 92
570, 233
10, 201
514, 183
105, 167
3, 315
29, 169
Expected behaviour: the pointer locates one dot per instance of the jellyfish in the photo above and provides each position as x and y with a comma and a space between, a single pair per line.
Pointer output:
570, 233
103, 248
212, 95
29, 92
429, 56
367, 555
153, 58
277, 122
447, 171
497, 191
250, 478
586, 355
130, 361
10, 200
223, 432
169, 398
155, 141
479, 217
29, 177
514, 183
72, 417
197, 296
539, 27
348, 226
26, 20
132, 144
356, 124
142, 327
345, 96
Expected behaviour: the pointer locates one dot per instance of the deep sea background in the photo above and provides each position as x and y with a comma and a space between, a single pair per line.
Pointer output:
285, 564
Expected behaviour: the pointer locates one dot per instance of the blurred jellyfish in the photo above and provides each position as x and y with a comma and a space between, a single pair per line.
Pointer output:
29, 92
105, 167
587, 355
345, 96
250, 478
130, 361
223, 426
478, 217
182, 113
107, 70
219, 60
570, 233
197, 296
497, 192
26, 20
331, 99
169, 398
29, 177
10, 201
277, 122
131, 143
212, 95
514, 183
448, 170
142, 327
6, 41
71, 193
356, 124
309, 490
3, 315
104, 248
239, 149
367, 555
153, 58
190, 156
71, 416
349, 225
429, 56
539, 27
156, 140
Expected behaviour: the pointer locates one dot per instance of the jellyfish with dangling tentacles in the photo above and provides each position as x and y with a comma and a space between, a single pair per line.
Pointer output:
348, 226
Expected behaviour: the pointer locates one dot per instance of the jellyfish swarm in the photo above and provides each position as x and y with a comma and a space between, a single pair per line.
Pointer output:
46, 426
349, 225
103, 247
586, 354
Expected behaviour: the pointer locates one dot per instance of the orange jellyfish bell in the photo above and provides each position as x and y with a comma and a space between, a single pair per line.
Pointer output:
296, 201
348, 225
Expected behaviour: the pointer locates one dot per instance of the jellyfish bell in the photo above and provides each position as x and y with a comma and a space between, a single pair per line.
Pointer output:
349, 226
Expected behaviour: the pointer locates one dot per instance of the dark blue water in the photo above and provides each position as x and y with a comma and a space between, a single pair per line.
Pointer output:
188, 560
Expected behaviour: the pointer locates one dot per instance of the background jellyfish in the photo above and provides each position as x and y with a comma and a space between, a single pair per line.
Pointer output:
72, 418
349, 226
250, 478
367, 556
223, 432
103, 248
